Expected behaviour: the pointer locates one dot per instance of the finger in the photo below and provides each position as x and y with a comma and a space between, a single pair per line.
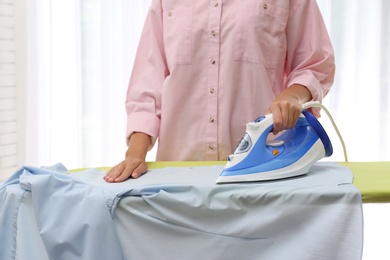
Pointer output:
122, 172
288, 119
296, 116
114, 172
277, 119
141, 169
285, 115
127, 172
290, 113
295, 112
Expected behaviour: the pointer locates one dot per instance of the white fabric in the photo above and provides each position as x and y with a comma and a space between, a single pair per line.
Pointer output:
180, 213
317, 216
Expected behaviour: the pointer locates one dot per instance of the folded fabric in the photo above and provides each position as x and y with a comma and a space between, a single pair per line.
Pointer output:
72, 217
180, 213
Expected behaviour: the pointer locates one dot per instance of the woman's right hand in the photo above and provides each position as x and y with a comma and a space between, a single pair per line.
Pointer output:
134, 164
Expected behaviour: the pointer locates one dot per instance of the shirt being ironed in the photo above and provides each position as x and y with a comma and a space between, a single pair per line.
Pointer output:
206, 68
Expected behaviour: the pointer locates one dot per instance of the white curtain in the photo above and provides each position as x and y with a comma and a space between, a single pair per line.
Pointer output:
359, 100
53, 82
80, 58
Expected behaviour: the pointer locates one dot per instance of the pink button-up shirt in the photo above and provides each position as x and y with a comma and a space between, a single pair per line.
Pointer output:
205, 68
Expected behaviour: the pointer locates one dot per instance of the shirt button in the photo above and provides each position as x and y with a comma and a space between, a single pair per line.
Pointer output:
216, 4
212, 90
211, 147
170, 13
212, 61
212, 120
213, 33
265, 6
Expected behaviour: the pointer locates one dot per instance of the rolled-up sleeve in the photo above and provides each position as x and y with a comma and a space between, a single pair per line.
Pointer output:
310, 56
143, 99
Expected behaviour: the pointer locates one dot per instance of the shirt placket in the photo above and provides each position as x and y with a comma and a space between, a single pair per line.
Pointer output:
214, 38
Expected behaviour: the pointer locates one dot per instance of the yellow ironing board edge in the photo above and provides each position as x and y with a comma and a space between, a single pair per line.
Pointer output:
371, 178
164, 164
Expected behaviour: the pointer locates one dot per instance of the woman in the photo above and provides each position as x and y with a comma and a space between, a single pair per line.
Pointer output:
206, 68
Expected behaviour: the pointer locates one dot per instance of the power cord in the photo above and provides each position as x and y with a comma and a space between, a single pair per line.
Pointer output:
319, 105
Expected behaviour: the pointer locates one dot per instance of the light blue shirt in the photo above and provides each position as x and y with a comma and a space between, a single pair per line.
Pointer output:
179, 213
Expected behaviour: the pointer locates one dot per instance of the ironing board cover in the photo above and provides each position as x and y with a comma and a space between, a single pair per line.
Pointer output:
371, 178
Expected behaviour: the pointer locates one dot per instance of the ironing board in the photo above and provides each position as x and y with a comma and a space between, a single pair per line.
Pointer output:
371, 178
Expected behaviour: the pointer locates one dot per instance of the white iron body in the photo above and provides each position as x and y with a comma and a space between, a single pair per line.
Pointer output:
291, 154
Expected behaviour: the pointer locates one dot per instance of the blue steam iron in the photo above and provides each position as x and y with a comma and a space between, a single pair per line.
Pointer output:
293, 153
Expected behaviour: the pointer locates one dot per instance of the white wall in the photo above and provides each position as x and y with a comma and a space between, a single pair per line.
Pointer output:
12, 40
